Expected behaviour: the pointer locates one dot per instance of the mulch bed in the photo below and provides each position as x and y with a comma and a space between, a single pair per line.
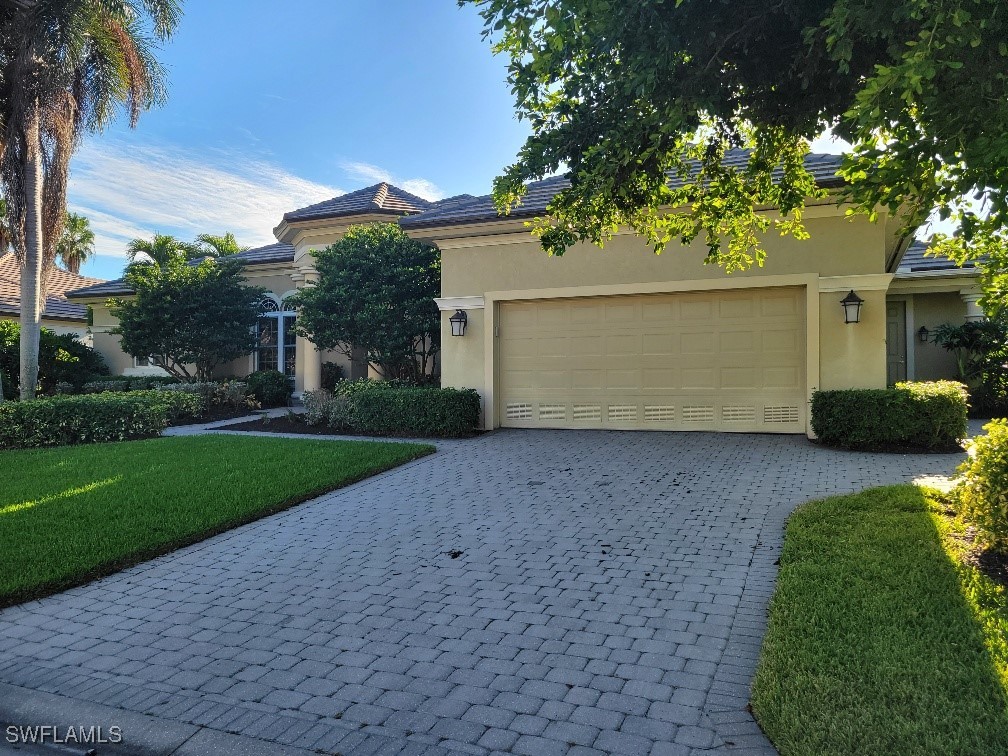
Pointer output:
282, 424
293, 424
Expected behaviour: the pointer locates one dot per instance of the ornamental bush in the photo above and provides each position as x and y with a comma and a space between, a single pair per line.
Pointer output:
928, 416
63, 359
128, 383
385, 408
232, 395
270, 388
983, 486
91, 419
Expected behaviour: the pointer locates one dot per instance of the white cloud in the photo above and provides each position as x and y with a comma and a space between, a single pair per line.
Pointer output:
129, 191
373, 174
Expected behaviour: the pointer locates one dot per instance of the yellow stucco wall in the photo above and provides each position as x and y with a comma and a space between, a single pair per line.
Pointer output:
932, 362
838, 247
852, 355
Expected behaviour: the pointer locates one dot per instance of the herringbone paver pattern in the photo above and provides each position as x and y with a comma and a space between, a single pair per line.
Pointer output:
527, 592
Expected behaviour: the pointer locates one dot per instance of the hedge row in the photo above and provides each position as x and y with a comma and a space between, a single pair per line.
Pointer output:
379, 408
910, 415
95, 418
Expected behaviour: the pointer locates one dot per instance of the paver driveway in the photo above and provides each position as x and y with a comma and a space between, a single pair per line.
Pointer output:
531, 592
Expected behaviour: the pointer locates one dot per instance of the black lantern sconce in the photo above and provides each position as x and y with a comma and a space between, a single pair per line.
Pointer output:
458, 322
852, 307
923, 334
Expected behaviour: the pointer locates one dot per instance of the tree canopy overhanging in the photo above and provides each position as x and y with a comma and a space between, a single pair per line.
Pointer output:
623, 93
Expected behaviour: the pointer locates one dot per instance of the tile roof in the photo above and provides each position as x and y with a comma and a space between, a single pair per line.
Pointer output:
60, 282
271, 253
914, 261
380, 198
823, 168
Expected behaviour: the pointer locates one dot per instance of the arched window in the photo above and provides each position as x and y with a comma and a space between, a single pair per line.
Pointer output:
277, 339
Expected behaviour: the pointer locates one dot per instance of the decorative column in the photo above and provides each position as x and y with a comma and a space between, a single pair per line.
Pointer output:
309, 358
973, 310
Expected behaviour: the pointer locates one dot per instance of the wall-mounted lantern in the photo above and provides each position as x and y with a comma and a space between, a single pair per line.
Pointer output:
852, 307
458, 322
923, 334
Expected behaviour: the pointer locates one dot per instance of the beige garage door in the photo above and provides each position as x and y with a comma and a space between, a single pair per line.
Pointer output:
728, 361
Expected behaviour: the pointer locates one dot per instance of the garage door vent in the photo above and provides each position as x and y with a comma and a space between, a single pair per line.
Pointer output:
659, 413
552, 411
697, 414
587, 412
738, 414
780, 414
622, 413
518, 411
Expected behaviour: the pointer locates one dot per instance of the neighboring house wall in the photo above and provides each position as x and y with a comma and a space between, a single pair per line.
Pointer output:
61, 327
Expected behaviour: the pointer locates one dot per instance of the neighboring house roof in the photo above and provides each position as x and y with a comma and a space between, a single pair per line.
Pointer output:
914, 261
823, 168
383, 198
60, 282
271, 253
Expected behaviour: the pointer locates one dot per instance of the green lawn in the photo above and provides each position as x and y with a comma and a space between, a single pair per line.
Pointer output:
881, 640
70, 514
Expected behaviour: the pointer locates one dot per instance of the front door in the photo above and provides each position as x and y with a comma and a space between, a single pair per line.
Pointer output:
896, 345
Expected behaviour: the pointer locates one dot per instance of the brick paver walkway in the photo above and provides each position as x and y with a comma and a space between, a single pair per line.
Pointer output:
530, 592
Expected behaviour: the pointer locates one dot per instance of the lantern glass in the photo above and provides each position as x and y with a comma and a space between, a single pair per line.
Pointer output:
852, 307
458, 322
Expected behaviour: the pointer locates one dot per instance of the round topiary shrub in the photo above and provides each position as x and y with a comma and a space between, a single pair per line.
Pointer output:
983, 487
270, 388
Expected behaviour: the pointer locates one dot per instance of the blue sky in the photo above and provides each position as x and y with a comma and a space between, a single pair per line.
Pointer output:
269, 111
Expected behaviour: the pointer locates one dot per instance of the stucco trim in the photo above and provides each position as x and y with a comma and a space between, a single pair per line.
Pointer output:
871, 282
447, 304
810, 282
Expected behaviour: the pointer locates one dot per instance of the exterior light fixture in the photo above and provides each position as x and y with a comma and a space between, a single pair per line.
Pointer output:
852, 307
923, 334
458, 322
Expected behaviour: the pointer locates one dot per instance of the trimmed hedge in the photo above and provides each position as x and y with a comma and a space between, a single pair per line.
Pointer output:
379, 408
95, 418
128, 383
928, 416
983, 487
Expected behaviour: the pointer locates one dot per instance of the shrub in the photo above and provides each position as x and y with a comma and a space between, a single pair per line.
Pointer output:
84, 419
332, 373
270, 388
911, 415
983, 486
387, 409
226, 394
128, 383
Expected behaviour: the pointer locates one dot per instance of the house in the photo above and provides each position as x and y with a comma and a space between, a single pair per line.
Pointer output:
620, 337
60, 314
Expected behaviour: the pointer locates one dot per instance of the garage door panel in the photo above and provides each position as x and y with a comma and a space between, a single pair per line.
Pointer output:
697, 343
729, 361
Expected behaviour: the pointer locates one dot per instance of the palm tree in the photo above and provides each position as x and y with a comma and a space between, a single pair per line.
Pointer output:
66, 68
160, 250
219, 246
5, 236
76, 244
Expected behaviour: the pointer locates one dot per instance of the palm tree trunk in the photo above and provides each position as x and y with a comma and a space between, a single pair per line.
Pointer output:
31, 271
